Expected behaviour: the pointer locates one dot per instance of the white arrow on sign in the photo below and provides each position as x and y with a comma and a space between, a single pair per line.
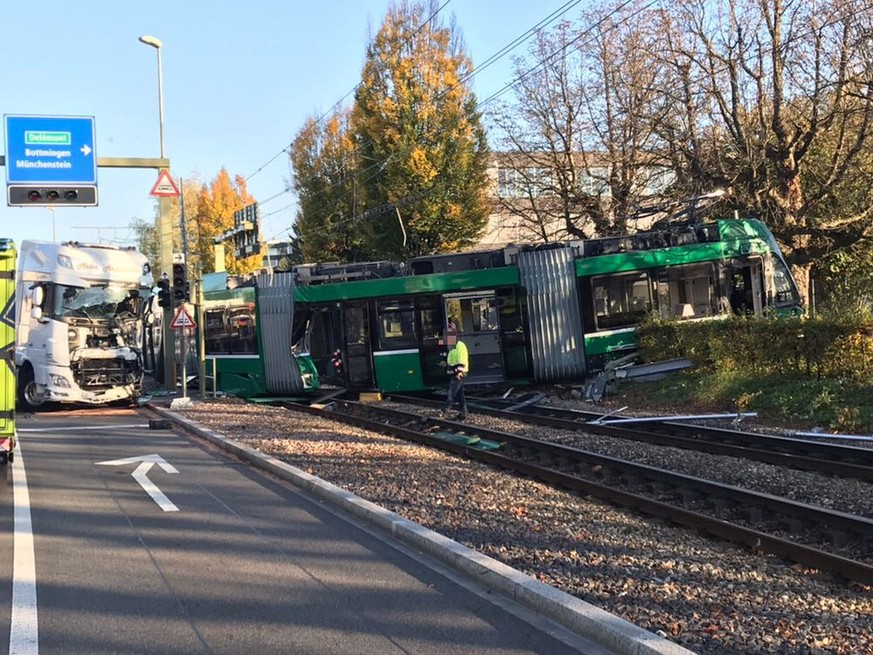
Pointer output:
85, 150
141, 476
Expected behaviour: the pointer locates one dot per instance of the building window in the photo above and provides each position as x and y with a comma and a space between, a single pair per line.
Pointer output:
524, 182
654, 180
594, 181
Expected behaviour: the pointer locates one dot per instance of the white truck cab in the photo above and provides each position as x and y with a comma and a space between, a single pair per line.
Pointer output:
78, 328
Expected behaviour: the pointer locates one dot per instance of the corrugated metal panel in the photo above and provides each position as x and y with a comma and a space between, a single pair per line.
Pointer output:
276, 317
556, 336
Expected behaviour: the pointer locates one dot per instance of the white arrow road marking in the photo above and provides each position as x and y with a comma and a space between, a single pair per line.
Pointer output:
141, 476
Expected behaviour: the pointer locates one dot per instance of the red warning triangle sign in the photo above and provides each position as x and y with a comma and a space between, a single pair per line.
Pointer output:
182, 319
165, 187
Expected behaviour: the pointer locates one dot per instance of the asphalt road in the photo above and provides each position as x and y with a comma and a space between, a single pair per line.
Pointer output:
203, 554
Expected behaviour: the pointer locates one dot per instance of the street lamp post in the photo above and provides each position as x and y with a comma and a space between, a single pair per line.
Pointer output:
156, 43
165, 228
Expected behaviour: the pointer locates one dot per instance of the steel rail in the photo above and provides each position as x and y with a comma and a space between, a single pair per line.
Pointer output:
832, 459
421, 429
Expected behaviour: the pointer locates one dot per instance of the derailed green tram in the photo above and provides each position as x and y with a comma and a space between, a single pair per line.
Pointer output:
526, 313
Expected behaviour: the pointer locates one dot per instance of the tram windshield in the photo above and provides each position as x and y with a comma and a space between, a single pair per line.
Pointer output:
786, 292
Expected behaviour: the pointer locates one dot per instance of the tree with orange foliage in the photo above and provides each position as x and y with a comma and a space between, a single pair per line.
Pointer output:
209, 212
211, 215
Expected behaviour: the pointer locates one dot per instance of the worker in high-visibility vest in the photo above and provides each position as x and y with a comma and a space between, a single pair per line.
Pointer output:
458, 367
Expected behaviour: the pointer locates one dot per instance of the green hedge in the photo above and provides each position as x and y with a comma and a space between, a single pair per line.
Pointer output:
839, 349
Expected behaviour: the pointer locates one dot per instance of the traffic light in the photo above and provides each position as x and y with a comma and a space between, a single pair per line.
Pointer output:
164, 298
180, 283
22, 195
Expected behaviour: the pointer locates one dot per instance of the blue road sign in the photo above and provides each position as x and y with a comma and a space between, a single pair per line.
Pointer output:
50, 150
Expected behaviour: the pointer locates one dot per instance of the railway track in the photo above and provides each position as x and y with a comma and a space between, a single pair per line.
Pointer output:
802, 454
827, 540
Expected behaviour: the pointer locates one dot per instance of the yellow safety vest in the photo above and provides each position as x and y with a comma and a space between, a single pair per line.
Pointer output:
458, 358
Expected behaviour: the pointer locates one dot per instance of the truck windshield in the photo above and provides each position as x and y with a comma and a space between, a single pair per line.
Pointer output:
91, 302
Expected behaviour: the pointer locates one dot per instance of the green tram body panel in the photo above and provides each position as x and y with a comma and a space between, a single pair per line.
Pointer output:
603, 334
403, 370
612, 343
408, 286
240, 375
737, 238
243, 374
399, 370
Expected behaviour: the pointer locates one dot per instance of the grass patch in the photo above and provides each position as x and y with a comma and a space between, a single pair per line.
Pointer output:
800, 403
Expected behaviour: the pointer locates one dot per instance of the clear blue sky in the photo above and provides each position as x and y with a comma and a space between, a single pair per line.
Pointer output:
239, 79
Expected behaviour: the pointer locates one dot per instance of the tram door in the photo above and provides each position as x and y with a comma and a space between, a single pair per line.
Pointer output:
477, 321
747, 287
324, 338
357, 353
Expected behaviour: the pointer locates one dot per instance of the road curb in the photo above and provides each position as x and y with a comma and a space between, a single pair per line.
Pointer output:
585, 619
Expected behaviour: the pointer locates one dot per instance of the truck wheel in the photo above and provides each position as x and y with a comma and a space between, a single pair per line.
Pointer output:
29, 398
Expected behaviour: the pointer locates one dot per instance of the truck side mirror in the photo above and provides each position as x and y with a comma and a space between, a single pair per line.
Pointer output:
36, 313
37, 296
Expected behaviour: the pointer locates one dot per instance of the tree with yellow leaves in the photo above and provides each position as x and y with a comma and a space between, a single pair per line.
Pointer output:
211, 215
422, 148
209, 212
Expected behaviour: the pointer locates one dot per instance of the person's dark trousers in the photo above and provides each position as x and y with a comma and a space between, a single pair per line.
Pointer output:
456, 391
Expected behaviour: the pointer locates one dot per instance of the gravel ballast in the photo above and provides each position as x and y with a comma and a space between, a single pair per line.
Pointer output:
705, 595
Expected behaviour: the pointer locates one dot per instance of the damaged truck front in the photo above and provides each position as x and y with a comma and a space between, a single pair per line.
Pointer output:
79, 327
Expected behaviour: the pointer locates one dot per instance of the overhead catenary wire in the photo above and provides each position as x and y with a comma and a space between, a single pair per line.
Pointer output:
585, 33
502, 53
564, 47
576, 42
339, 102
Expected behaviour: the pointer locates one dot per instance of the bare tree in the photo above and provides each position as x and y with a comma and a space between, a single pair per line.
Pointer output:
774, 98
584, 152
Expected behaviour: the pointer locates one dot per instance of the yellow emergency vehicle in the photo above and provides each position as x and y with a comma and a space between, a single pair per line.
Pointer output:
7, 348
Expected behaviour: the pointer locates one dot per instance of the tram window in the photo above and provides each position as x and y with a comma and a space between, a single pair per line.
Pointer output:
483, 314
455, 315
230, 330
322, 334
509, 311
622, 300
317, 334
686, 291
396, 324
355, 325
431, 318
474, 314
215, 332
241, 327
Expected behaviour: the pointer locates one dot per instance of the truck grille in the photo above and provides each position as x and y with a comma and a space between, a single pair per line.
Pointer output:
105, 373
